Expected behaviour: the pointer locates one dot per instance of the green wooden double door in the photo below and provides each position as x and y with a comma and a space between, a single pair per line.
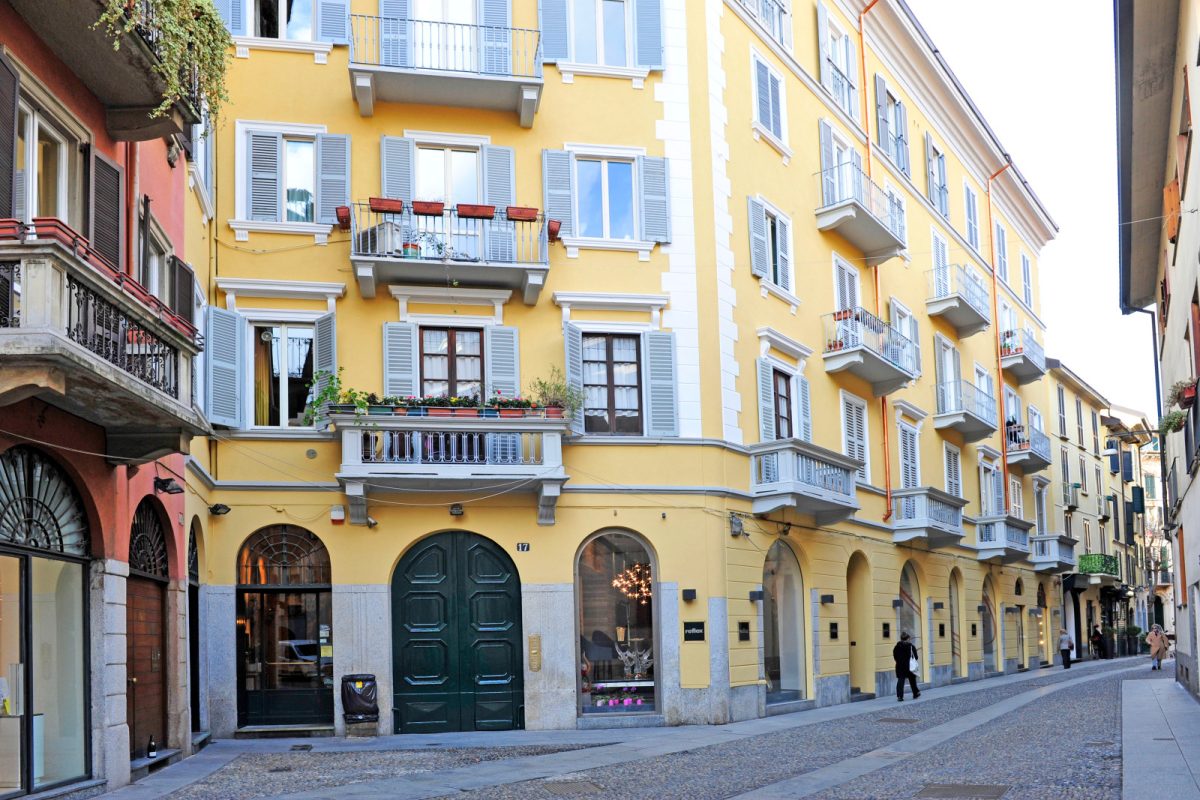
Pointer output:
456, 637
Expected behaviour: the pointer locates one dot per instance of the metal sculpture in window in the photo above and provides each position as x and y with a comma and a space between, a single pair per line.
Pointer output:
148, 542
283, 555
39, 506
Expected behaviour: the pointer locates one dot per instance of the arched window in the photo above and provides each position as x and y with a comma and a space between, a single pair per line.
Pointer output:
1019, 587
615, 594
283, 555
148, 543
39, 506
783, 625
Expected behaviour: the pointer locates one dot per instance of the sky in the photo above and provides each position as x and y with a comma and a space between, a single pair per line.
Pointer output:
1047, 91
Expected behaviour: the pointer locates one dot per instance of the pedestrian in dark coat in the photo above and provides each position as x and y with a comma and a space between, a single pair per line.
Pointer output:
905, 653
1098, 642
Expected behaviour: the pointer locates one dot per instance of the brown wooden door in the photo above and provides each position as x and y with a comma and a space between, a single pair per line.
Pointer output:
145, 638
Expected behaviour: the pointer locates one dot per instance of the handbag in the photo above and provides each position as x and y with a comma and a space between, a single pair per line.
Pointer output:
913, 663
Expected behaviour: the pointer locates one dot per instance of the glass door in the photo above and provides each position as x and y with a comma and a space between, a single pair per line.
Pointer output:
286, 645
12, 678
444, 35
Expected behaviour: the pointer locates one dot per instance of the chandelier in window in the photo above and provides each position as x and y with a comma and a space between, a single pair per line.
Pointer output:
635, 583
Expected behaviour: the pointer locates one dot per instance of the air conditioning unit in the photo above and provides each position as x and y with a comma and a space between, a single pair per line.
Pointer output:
384, 239
1073, 497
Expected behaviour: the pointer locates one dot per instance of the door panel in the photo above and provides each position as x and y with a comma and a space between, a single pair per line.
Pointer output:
286, 669
146, 700
456, 637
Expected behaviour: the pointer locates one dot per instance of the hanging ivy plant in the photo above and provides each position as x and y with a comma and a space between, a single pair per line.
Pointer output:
190, 40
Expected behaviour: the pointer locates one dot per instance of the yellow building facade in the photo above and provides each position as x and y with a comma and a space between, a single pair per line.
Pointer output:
779, 259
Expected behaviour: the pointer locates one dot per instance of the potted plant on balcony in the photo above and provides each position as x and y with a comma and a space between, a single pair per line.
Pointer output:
1171, 422
1183, 394
509, 406
555, 395
412, 243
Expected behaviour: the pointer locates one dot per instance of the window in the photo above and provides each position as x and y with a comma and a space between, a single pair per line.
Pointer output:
612, 384
775, 16
284, 19
854, 433
936, 188
283, 370
605, 198
156, 267
839, 61
615, 593
600, 32
1096, 435
991, 490
1083, 485
299, 179
971, 202
449, 175
1087, 536
783, 404
769, 114
1016, 497
280, 168
770, 244
1079, 421
48, 171
1066, 475
1026, 280
892, 125
910, 456
1150, 488
1001, 253
451, 362
953, 459
1067, 524
1101, 503
1009, 326
1039, 509
1062, 412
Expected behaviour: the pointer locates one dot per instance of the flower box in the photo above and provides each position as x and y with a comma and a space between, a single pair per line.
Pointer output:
554, 412
440, 411
512, 413
385, 205
552, 228
343, 217
475, 211
380, 411
1187, 398
414, 411
464, 412
521, 214
428, 208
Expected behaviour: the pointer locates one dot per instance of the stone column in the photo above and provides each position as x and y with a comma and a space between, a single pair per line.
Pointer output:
175, 662
548, 612
110, 730
219, 617
362, 643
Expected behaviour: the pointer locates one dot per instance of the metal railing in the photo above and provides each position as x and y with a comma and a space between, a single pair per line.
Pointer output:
1021, 342
1022, 437
448, 237
150, 32
1099, 564
1051, 549
961, 280
848, 182
773, 15
857, 327
919, 504
10, 294
451, 447
445, 47
841, 87
954, 396
789, 466
1000, 532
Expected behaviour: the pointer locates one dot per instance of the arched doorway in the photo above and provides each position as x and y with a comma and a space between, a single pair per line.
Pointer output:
1159, 618
987, 619
783, 625
456, 637
284, 629
44, 549
909, 613
1019, 592
860, 611
194, 626
956, 648
1045, 654
146, 634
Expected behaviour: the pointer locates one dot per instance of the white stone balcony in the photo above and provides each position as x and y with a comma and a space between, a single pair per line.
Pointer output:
958, 295
861, 212
859, 342
928, 514
1022, 356
1028, 448
85, 337
964, 407
792, 473
450, 450
1002, 538
445, 64
1053, 553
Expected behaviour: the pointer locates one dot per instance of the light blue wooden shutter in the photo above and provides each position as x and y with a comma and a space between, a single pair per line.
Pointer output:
556, 37
776, 106
852, 78
654, 180
502, 360
396, 167
495, 22
324, 357
499, 189
766, 401
394, 50
573, 347
333, 21
858, 178
759, 252
881, 120
930, 172
828, 173
762, 87
265, 163
783, 252
805, 402
225, 380
558, 178
648, 33
823, 55
333, 175
903, 159
662, 416
400, 351
233, 12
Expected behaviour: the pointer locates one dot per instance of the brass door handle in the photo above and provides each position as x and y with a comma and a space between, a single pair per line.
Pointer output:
133, 680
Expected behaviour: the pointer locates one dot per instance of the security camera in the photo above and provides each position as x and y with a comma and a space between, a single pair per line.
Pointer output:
372, 522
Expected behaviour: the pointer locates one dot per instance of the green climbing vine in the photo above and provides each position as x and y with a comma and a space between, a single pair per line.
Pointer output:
190, 40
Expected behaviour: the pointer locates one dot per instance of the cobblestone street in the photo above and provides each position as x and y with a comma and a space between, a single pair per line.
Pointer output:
987, 735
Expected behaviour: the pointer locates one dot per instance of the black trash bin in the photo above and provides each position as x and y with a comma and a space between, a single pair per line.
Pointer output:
360, 698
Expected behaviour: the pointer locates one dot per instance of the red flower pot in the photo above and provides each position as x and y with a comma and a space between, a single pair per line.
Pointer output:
552, 228
465, 412
411, 250
343, 217
440, 411
1187, 398
474, 211
521, 214
554, 412
510, 413
385, 205
426, 208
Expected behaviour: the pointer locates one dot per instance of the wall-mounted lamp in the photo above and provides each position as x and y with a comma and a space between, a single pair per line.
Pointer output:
756, 594
938, 606
456, 510
897, 603
167, 486
826, 599
218, 509
981, 609
689, 595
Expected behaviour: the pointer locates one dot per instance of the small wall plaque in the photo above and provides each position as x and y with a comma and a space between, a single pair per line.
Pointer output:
973, 629
522, 547
833, 632
693, 631
887, 630
942, 630
743, 631
535, 652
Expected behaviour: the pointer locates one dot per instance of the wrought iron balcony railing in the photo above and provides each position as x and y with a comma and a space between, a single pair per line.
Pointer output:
468, 49
999, 532
955, 396
847, 182
1024, 438
1014, 343
449, 236
957, 279
856, 327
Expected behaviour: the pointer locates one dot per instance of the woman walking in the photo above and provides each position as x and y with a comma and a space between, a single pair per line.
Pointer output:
905, 655
1065, 646
1158, 646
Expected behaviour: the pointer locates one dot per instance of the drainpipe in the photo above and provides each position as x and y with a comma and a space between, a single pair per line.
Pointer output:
996, 318
883, 403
